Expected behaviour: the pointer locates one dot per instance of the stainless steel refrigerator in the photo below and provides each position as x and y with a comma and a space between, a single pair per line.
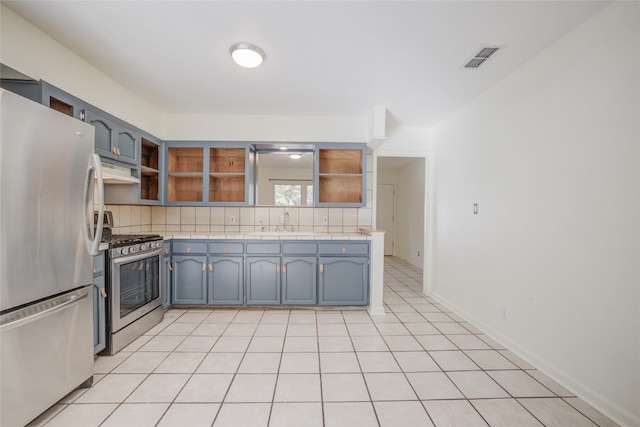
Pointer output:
47, 179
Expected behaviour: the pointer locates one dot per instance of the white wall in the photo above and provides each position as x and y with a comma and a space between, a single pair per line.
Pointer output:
264, 128
26, 49
410, 193
552, 156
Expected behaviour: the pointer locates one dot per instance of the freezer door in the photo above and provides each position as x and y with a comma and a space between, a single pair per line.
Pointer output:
46, 351
44, 208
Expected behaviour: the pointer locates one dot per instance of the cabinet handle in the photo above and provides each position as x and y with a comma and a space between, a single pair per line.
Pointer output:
118, 149
141, 266
278, 268
189, 250
211, 267
284, 268
94, 270
114, 150
166, 251
226, 250
103, 292
344, 250
170, 267
321, 268
204, 266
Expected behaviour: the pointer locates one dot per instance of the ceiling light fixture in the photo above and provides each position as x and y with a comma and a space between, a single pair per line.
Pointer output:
283, 148
247, 55
295, 156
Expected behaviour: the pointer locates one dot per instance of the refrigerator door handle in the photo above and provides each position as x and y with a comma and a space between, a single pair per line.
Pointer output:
93, 167
31, 314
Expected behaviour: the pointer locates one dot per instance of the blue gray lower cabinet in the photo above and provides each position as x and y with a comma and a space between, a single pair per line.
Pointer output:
226, 280
263, 280
99, 304
269, 273
299, 280
190, 279
343, 281
165, 276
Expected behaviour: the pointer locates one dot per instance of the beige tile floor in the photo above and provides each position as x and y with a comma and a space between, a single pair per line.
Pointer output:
419, 365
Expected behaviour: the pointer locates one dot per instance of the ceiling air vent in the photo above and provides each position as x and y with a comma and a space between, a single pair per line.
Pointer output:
480, 57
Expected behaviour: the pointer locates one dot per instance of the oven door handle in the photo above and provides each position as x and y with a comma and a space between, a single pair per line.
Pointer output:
136, 257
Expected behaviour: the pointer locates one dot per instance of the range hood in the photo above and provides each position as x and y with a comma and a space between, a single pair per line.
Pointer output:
113, 174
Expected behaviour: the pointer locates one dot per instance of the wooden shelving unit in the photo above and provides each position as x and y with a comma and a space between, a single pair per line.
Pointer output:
185, 174
227, 174
340, 176
149, 170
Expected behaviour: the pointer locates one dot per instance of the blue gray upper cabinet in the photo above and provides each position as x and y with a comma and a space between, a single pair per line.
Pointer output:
46, 94
207, 173
151, 177
341, 174
114, 139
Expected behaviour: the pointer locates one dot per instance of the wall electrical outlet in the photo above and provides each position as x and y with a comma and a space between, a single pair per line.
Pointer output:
232, 219
504, 313
325, 220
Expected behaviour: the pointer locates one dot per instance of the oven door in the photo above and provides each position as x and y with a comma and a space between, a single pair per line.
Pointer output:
135, 287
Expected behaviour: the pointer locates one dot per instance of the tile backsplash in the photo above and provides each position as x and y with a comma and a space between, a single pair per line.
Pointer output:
196, 219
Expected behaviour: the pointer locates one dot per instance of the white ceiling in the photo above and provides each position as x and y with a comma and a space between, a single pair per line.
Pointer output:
328, 58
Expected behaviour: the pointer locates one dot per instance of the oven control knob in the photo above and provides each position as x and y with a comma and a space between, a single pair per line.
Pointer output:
123, 251
132, 249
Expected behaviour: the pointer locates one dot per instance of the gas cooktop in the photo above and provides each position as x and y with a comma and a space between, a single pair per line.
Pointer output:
118, 240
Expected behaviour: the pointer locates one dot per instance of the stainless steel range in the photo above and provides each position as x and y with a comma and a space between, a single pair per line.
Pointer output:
134, 304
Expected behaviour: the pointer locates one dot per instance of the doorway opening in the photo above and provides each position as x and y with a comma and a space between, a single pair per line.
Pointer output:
401, 211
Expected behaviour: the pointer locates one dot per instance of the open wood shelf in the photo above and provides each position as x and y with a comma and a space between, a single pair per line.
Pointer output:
226, 188
337, 161
227, 160
184, 188
149, 154
185, 159
340, 176
340, 189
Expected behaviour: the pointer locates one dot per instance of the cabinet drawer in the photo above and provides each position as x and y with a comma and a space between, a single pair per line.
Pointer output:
263, 248
300, 248
226, 248
343, 248
98, 264
191, 247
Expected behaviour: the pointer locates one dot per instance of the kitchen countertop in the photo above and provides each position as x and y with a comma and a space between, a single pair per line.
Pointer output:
267, 236
364, 234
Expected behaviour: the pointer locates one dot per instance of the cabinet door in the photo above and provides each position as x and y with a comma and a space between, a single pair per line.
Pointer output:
343, 281
105, 134
189, 279
299, 280
99, 316
165, 278
126, 146
225, 280
263, 280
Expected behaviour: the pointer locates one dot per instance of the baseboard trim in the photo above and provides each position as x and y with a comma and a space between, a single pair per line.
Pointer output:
608, 408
